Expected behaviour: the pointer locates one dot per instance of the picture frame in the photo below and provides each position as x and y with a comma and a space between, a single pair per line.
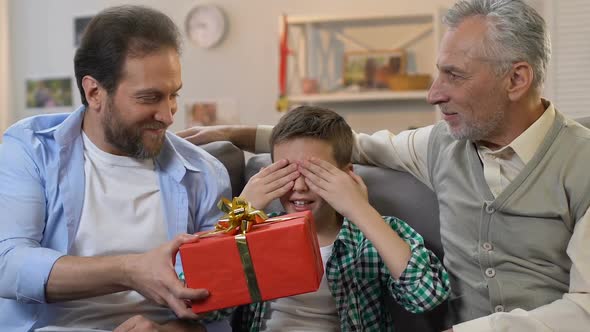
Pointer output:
48, 93
80, 24
211, 112
372, 69
201, 113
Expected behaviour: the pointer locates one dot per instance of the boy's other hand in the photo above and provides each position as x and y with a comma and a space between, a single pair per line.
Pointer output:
270, 183
344, 191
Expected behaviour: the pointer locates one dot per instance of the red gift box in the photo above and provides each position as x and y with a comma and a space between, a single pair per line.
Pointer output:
284, 254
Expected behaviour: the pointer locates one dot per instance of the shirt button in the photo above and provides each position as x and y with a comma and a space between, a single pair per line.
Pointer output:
487, 246
490, 209
490, 273
499, 308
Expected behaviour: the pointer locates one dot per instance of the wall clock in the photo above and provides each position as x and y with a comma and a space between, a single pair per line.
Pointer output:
206, 25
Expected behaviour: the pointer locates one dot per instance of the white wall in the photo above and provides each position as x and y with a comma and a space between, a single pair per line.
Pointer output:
243, 69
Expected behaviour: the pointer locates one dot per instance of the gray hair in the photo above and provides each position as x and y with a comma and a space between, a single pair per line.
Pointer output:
516, 32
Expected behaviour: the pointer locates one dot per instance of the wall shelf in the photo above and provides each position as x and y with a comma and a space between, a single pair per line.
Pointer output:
345, 97
319, 45
374, 19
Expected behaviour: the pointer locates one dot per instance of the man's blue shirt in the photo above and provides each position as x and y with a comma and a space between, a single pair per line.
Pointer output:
41, 198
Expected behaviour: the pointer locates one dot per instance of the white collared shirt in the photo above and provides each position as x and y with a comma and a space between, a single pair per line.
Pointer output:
500, 167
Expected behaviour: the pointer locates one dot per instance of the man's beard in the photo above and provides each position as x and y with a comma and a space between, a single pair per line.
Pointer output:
129, 140
480, 130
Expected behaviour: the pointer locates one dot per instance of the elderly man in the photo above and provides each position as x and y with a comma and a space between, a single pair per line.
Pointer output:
96, 203
509, 171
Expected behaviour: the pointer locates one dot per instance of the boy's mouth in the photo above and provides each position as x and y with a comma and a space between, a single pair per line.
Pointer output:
301, 205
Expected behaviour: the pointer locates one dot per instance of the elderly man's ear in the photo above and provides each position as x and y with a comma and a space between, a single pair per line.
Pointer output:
519, 80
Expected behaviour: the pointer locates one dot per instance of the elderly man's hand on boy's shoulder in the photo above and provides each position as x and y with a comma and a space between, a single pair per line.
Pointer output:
270, 183
242, 136
205, 134
344, 191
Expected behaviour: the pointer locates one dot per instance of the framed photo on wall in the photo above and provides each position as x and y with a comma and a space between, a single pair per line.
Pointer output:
80, 24
372, 69
49, 93
210, 112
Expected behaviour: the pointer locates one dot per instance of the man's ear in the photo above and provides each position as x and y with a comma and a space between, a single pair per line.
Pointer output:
349, 167
521, 78
94, 92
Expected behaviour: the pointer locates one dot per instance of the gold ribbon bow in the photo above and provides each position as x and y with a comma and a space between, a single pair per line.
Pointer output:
239, 216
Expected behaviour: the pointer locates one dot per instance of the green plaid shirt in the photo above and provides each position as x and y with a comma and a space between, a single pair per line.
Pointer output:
359, 282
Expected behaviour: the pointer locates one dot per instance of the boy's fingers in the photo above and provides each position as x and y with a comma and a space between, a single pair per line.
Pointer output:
282, 190
271, 174
313, 178
313, 187
282, 172
276, 165
322, 164
280, 182
311, 168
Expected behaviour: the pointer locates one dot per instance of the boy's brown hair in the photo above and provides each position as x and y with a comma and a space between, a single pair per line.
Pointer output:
319, 123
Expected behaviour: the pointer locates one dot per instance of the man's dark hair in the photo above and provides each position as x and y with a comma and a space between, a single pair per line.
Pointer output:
319, 123
119, 32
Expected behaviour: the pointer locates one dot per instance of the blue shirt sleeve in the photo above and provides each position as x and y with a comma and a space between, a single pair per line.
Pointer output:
24, 265
217, 185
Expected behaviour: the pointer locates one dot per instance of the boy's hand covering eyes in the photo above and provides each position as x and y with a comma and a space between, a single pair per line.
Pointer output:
270, 183
344, 191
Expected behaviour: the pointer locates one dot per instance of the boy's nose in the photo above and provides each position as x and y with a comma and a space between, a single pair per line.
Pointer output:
300, 184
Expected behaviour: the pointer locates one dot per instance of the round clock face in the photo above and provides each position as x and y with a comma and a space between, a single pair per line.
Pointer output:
205, 25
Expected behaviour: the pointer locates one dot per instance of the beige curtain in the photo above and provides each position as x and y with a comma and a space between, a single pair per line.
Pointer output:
4, 67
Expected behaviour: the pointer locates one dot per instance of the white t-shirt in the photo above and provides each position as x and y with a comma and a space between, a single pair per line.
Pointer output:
122, 214
306, 312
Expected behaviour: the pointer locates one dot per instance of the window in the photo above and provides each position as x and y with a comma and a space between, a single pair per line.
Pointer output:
571, 57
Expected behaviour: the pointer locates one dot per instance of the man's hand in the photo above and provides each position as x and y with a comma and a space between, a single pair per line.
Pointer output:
270, 183
344, 191
152, 274
141, 324
242, 136
205, 134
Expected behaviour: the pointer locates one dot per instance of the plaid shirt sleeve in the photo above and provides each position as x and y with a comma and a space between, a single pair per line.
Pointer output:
424, 284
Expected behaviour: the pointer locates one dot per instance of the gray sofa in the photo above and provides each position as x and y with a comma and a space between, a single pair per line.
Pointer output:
391, 192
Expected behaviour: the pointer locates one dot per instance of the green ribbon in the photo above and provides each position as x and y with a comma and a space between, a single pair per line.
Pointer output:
248, 268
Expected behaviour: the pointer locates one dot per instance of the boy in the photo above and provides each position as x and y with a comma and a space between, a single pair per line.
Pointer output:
365, 256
